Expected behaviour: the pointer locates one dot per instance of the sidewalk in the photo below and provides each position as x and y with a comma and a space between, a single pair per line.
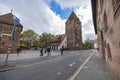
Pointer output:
24, 55
94, 69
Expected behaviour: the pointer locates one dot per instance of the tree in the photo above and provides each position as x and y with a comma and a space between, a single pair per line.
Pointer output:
27, 38
45, 40
88, 44
31, 39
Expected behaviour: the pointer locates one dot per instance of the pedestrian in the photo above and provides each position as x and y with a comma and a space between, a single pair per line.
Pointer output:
18, 50
49, 51
45, 50
41, 52
61, 50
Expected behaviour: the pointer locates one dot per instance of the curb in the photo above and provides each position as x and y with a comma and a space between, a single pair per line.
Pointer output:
72, 77
7, 69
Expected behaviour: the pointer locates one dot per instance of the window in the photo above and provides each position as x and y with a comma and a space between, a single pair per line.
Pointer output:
119, 44
111, 31
116, 5
105, 22
105, 43
109, 52
101, 4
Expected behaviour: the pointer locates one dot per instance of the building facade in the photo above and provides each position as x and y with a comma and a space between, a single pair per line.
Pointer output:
73, 32
95, 42
59, 41
106, 18
6, 27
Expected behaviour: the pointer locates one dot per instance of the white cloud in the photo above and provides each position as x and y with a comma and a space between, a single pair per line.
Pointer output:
35, 15
86, 19
38, 16
72, 3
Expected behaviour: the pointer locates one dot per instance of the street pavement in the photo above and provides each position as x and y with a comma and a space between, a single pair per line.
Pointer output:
95, 69
73, 65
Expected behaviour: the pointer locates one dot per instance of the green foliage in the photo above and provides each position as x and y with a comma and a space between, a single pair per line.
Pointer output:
88, 44
45, 40
28, 38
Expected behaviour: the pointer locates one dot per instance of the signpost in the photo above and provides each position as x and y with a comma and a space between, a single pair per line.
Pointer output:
12, 37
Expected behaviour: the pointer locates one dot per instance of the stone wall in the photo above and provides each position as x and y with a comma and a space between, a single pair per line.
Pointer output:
108, 31
73, 32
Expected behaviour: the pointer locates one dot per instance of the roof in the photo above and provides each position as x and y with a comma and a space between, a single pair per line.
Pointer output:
8, 19
72, 16
94, 12
58, 39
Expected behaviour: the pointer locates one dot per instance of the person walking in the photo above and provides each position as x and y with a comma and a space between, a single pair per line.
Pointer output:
49, 51
61, 50
18, 50
41, 52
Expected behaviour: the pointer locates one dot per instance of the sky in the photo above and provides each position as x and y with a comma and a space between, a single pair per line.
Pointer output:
50, 15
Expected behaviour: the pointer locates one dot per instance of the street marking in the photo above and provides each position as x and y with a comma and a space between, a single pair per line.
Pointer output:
72, 77
80, 59
46, 61
72, 64
24, 66
85, 67
58, 73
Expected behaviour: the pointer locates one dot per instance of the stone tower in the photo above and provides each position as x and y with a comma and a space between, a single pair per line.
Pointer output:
73, 32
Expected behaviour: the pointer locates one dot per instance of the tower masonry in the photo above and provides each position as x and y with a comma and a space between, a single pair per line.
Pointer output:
73, 32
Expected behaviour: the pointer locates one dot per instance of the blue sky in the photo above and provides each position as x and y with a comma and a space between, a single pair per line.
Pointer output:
50, 15
64, 13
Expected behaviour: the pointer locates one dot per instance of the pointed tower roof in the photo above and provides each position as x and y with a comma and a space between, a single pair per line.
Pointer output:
8, 19
73, 16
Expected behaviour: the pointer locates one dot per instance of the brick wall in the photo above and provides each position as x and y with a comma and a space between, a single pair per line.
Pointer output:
5, 40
